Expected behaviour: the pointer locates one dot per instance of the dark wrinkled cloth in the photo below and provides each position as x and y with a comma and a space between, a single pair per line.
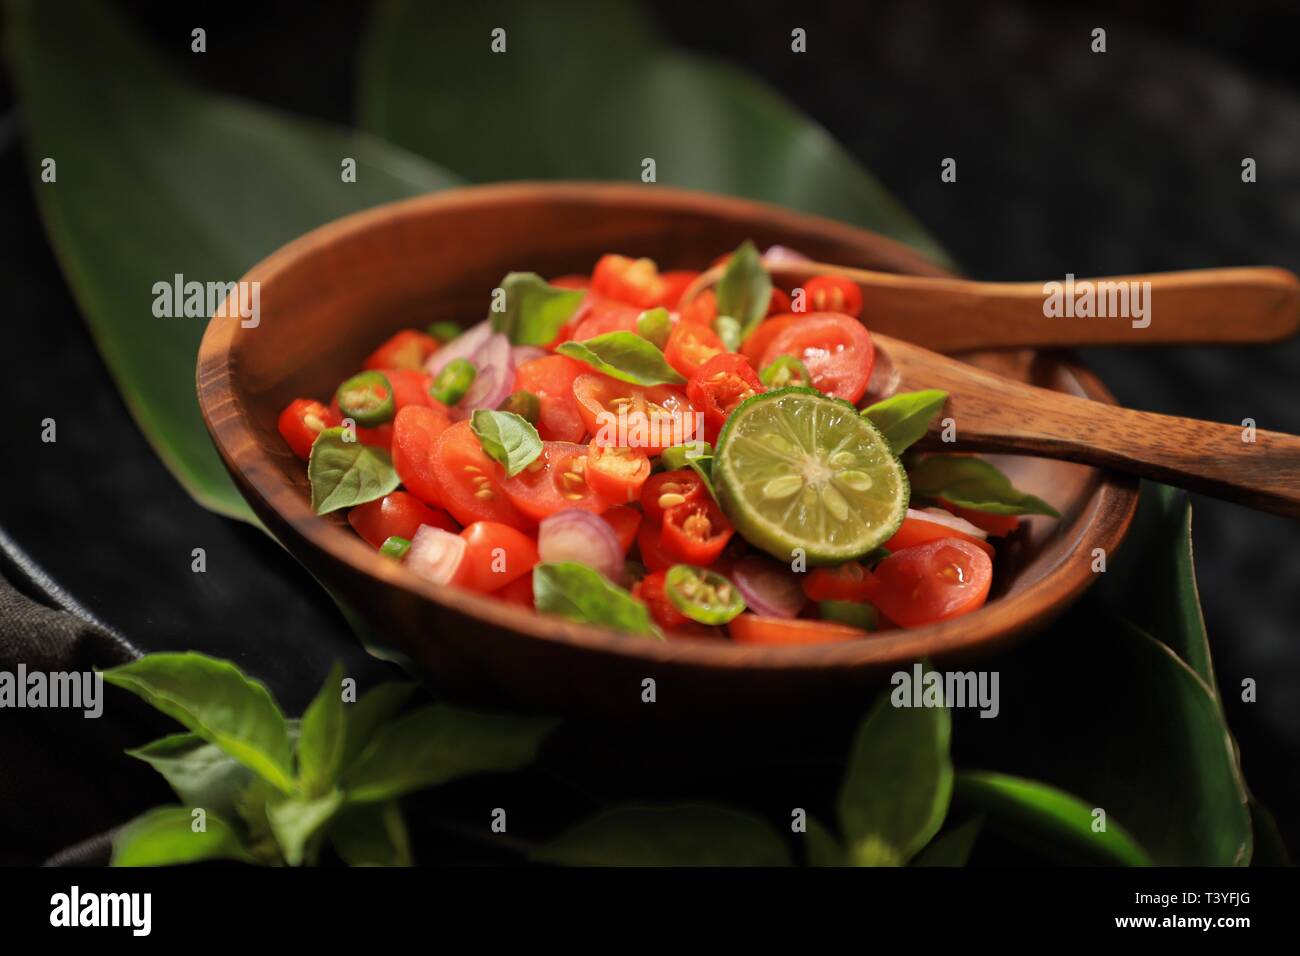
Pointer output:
64, 781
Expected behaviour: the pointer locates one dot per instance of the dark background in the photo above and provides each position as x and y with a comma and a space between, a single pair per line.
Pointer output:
1068, 161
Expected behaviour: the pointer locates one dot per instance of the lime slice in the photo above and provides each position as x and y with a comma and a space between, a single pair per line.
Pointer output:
796, 469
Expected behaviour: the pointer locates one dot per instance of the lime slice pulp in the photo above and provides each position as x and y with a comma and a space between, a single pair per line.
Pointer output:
795, 469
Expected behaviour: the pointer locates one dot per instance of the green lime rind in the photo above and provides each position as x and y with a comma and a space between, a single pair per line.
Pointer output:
796, 470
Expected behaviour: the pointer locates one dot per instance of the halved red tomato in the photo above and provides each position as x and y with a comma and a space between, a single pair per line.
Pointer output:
470, 482
920, 527
408, 349
599, 315
756, 343
690, 345
555, 481
616, 473
832, 294
634, 281
779, 303
495, 555
301, 421
626, 522
836, 350
932, 582
650, 418
551, 380
720, 384
398, 513
753, 629
850, 581
416, 431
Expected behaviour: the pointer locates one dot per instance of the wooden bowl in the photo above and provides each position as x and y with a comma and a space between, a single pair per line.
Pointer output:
330, 297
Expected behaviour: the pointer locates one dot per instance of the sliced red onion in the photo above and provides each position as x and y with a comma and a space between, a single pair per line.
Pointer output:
783, 254
435, 555
948, 520
494, 377
580, 536
769, 588
526, 353
465, 346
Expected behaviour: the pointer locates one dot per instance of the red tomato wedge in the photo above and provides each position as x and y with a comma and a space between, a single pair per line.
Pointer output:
398, 514
634, 281
470, 481
921, 527
416, 431
551, 380
495, 555
598, 316
850, 581
408, 349
301, 421
932, 582
691, 345
753, 629
650, 418
836, 350
555, 481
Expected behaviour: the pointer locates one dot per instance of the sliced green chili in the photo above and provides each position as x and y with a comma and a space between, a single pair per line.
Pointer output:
679, 456
367, 399
453, 381
524, 404
702, 595
395, 547
785, 370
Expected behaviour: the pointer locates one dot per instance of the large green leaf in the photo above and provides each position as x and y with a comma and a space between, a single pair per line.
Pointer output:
156, 178
587, 90
165, 836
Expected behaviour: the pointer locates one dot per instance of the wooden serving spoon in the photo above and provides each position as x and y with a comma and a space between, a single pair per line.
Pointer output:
1259, 469
1237, 306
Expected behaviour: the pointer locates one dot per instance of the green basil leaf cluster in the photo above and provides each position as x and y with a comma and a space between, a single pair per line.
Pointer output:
507, 438
973, 483
259, 788
744, 289
534, 311
579, 593
904, 418
625, 356
344, 472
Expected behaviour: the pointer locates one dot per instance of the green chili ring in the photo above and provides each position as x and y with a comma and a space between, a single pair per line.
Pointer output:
703, 595
367, 399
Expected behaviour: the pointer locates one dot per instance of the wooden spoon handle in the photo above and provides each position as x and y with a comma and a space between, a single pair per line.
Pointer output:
1239, 306
1260, 469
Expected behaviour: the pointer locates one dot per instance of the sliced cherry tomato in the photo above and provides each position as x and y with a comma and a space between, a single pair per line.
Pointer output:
409, 388
519, 591
668, 489
469, 481
995, 526
572, 280
626, 522
696, 532
779, 303
836, 350
555, 481
932, 582
650, 544
755, 345
832, 294
690, 346
720, 384
650, 418
652, 590
917, 529
600, 315
617, 473
408, 349
673, 283
398, 513
381, 437
634, 281
551, 380
753, 629
416, 431
850, 581
701, 310
495, 555
301, 421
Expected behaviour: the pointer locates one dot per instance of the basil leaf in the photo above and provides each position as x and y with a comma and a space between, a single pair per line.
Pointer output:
165, 836
745, 288
296, 821
898, 783
577, 592
953, 847
375, 708
625, 356
973, 483
437, 743
200, 773
728, 330
668, 836
347, 473
373, 834
215, 700
679, 456
534, 310
904, 418
507, 438
323, 735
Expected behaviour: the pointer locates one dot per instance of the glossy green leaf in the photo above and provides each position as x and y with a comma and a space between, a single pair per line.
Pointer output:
1048, 820
437, 743
588, 90
372, 834
375, 708
297, 822
904, 418
577, 592
897, 784
823, 848
156, 178
669, 836
165, 836
506, 438
625, 356
215, 700
744, 289
973, 483
951, 847
322, 738
534, 310
344, 471
200, 773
